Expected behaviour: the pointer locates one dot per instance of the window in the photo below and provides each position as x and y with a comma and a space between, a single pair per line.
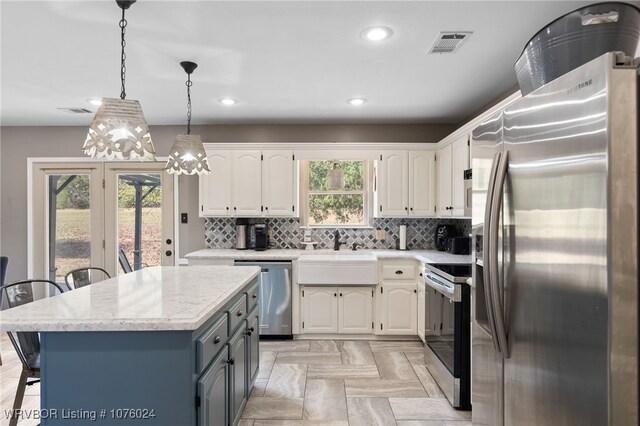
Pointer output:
323, 206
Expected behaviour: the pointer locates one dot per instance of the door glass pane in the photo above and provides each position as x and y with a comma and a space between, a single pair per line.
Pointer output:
139, 220
69, 224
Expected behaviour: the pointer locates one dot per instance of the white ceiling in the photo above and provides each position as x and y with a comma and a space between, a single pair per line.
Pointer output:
285, 61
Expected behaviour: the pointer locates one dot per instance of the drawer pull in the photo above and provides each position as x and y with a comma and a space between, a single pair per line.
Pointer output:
216, 340
239, 313
231, 361
255, 295
399, 272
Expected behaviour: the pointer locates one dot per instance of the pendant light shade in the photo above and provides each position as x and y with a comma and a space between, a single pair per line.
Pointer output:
335, 178
187, 155
119, 130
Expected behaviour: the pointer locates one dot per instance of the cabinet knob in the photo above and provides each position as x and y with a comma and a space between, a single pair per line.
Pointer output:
255, 295
266, 208
239, 313
234, 208
406, 208
335, 294
252, 329
248, 333
216, 340
168, 241
415, 291
231, 361
340, 294
168, 253
227, 208
411, 208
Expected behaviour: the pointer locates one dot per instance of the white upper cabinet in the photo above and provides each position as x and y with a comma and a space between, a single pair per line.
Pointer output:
452, 161
249, 183
422, 183
406, 184
393, 184
215, 188
246, 183
278, 183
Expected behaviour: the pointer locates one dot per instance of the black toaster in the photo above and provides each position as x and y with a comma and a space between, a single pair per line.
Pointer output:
459, 245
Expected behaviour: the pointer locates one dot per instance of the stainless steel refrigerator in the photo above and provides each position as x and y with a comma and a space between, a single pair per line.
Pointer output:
555, 277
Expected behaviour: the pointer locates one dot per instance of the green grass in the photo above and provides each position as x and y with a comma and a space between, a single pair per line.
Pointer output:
72, 237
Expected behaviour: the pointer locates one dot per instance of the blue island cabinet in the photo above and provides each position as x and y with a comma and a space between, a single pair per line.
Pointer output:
200, 377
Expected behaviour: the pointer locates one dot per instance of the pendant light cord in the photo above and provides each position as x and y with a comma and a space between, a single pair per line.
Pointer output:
123, 56
189, 84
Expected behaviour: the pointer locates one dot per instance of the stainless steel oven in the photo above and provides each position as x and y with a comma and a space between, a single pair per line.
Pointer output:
448, 330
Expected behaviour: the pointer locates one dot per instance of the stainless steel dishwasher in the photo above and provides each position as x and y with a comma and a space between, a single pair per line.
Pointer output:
275, 297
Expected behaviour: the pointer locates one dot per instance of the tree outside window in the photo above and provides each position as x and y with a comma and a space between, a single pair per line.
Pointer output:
336, 207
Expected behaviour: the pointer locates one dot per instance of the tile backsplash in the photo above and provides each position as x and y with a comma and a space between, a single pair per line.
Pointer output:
287, 233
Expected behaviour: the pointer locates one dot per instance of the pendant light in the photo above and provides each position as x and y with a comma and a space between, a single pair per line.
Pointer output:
335, 178
119, 130
187, 155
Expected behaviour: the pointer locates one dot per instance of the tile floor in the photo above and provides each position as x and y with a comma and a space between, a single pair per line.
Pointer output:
320, 382
327, 382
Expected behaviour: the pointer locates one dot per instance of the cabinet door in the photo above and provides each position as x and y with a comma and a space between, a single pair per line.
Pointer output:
253, 349
443, 168
422, 183
215, 188
393, 184
421, 311
238, 376
400, 309
213, 393
278, 183
320, 310
459, 163
246, 183
355, 310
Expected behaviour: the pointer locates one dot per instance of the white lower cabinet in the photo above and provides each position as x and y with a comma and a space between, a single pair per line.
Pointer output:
421, 310
399, 302
347, 310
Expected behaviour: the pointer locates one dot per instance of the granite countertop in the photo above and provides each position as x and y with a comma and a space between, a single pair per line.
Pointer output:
425, 256
151, 299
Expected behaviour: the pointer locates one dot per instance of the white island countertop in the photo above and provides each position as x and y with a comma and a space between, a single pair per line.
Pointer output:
425, 256
152, 299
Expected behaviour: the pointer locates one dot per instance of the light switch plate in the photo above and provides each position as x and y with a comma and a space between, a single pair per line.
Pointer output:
380, 234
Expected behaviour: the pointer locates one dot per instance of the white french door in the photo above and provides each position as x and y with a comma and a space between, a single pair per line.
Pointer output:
83, 213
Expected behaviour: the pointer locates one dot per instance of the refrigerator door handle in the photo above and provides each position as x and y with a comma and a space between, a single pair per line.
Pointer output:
488, 250
496, 208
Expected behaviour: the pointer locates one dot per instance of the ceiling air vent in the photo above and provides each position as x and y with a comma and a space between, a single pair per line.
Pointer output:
449, 42
76, 110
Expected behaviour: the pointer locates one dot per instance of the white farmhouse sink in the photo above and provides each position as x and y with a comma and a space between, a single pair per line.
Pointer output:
338, 269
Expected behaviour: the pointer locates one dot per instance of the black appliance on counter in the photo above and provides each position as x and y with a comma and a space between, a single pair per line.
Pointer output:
443, 233
459, 245
262, 236
448, 339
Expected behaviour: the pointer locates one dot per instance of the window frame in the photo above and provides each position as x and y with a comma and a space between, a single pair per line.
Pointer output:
367, 194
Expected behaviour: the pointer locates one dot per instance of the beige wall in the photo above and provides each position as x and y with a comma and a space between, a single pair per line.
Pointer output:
20, 143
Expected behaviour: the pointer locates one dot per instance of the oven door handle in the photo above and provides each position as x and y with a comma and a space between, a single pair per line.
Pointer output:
488, 250
496, 300
440, 289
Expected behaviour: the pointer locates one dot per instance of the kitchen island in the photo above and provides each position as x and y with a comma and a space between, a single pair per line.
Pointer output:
161, 346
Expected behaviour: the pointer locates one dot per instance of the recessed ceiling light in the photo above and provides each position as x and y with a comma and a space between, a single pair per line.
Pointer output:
227, 101
357, 101
96, 102
376, 33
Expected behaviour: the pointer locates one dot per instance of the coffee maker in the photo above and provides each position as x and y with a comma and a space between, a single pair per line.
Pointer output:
262, 236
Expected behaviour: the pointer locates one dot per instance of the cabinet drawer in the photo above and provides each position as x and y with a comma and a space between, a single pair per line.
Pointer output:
237, 313
210, 343
252, 296
399, 272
